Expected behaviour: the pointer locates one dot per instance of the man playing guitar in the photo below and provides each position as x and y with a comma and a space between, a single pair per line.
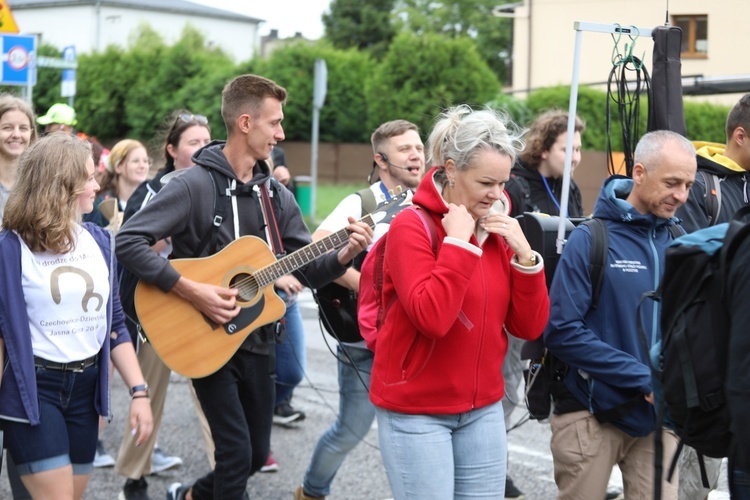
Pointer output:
238, 398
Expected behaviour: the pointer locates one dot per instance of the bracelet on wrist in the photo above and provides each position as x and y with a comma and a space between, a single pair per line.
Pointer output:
138, 396
139, 388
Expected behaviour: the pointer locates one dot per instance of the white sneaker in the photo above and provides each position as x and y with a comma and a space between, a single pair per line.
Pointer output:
160, 462
102, 458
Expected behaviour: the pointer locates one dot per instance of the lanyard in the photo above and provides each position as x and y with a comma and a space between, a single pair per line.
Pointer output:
385, 191
549, 191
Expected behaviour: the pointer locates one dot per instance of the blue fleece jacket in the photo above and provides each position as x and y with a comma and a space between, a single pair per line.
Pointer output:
18, 392
608, 363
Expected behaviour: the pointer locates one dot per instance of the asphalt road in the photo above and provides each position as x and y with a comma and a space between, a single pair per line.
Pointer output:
360, 478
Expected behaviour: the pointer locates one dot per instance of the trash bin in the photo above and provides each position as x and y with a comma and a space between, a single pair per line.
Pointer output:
303, 193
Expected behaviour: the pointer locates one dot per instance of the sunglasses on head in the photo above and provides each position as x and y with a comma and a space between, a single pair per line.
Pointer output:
189, 118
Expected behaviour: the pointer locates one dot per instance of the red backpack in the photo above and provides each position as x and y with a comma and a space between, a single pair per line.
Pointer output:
371, 305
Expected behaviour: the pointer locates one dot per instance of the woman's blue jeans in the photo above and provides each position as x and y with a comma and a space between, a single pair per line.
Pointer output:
444, 457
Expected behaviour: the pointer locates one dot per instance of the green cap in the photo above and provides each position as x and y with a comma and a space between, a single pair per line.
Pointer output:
59, 113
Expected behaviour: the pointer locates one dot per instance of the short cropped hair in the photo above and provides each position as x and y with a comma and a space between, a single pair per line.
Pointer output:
739, 116
461, 133
649, 148
544, 132
390, 129
245, 95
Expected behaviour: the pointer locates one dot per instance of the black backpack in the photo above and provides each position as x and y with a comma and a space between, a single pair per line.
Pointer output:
695, 327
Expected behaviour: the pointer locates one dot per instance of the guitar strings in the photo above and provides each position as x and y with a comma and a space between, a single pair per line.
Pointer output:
251, 284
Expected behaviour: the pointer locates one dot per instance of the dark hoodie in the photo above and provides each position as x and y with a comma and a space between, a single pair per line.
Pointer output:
733, 181
528, 193
184, 210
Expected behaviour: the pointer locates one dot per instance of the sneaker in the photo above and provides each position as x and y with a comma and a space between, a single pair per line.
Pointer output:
134, 489
102, 458
271, 465
511, 491
177, 491
160, 462
285, 414
614, 495
300, 494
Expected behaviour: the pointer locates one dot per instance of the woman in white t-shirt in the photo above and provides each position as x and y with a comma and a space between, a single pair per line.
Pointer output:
60, 322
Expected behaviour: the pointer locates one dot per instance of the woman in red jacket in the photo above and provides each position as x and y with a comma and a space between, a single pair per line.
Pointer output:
436, 380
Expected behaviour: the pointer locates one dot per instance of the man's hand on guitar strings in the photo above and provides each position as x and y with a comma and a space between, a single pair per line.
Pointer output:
360, 237
218, 303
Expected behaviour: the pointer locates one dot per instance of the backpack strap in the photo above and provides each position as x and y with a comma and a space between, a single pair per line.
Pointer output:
429, 226
369, 203
713, 196
597, 256
219, 212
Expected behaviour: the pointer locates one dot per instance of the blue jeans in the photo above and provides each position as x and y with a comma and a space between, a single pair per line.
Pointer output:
68, 428
290, 354
443, 457
238, 403
356, 414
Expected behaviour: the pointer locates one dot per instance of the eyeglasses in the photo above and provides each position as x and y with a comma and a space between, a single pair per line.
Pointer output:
188, 118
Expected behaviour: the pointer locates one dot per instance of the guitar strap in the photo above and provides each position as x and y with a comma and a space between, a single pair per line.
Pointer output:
273, 227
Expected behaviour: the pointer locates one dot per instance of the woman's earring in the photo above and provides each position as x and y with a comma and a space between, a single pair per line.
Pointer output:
451, 183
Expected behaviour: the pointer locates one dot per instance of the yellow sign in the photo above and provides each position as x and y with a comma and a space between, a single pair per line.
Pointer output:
7, 23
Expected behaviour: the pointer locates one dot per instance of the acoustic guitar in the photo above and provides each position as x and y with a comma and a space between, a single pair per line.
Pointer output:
189, 342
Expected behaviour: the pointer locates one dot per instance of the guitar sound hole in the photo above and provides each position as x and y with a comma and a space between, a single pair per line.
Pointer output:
247, 286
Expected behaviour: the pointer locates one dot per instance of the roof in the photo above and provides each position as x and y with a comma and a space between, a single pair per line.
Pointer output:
175, 6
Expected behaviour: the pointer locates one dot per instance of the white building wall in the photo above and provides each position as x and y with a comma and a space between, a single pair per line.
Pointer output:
553, 39
89, 32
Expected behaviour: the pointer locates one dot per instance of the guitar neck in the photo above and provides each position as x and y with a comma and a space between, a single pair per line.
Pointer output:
295, 260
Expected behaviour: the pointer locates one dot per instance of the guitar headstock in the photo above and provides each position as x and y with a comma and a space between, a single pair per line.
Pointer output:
387, 210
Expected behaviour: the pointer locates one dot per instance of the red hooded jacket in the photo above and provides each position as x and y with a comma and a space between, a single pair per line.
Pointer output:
442, 344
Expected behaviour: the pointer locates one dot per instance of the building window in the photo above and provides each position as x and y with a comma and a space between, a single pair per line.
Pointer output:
694, 35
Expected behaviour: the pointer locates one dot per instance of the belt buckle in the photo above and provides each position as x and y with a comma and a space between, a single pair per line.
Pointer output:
79, 366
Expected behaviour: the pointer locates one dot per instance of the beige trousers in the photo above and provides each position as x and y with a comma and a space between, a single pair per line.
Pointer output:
584, 452
135, 462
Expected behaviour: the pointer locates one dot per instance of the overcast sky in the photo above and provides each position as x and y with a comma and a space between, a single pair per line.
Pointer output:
287, 16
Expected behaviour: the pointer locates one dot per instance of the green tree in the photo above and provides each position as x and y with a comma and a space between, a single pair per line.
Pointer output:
343, 117
423, 74
48, 82
362, 24
463, 18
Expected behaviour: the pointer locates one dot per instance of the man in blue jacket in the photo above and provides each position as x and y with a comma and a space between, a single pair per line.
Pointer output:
608, 416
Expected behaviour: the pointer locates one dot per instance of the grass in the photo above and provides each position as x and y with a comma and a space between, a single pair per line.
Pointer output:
326, 199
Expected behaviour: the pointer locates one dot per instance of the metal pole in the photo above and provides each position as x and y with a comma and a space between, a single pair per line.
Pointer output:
314, 161
580, 27
560, 242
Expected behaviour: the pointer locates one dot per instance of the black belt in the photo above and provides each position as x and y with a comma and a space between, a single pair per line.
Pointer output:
73, 366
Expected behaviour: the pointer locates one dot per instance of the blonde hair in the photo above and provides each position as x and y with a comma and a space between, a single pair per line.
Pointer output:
43, 204
117, 155
461, 133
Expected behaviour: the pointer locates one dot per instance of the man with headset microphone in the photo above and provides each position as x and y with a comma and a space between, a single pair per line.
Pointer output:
398, 140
